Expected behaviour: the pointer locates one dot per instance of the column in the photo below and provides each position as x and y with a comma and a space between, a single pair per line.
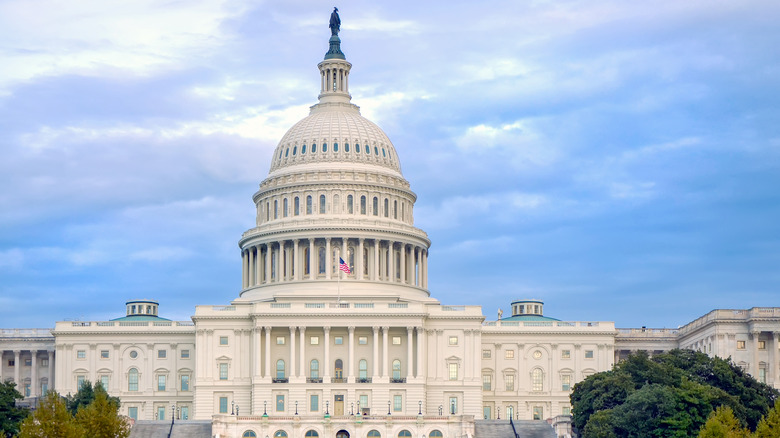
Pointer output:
267, 351
359, 259
50, 371
244, 270
17, 370
281, 263
268, 256
297, 260
420, 339
328, 259
34, 374
467, 373
385, 357
326, 365
425, 269
292, 352
251, 266
409, 352
2, 379
754, 365
351, 359
253, 355
403, 263
391, 258
257, 270
375, 274
301, 350
312, 268
775, 357
375, 373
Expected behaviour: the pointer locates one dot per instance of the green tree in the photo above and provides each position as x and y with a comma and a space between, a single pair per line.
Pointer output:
10, 415
723, 424
51, 420
769, 426
101, 417
86, 395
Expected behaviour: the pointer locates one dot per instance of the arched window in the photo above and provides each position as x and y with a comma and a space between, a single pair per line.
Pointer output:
346, 147
368, 151
312, 434
387, 207
303, 150
363, 369
297, 206
404, 434
335, 147
435, 433
395, 209
383, 153
280, 434
324, 147
280, 369
357, 148
396, 369
284, 208
286, 152
306, 261
322, 204
314, 148
308, 205
295, 150
338, 369
314, 369
249, 434
321, 260
336, 204
375, 205
363, 205
132, 380
402, 211
267, 211
350, 209
374, 433
537, 380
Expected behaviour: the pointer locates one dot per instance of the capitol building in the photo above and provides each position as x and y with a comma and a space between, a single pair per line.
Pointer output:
335, 333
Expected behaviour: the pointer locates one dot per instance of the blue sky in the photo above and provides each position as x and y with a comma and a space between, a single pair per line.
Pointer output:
619, 160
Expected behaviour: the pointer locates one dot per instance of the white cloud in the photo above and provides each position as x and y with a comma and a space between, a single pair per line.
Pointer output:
496, 207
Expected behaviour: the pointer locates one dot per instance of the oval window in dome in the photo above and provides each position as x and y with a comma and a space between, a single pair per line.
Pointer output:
368, 150
324, 147
376, 151
303, 150
295, 150
346, 147
314, 148
280, 153
357, 147
286, 152
335, 147
383, 152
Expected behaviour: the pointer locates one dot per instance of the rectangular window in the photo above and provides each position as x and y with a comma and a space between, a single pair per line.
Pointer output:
453, 371
338, 340
509, 382
453, 405
486, 354
279, 403
44, 362
10, 363
132, 412
161, 412
161, 382
314, 403
104, 382
396, 340
509, 354
104, 354
453, 340
362, 340
565, 382
280, 340
132, 380
185, 382
565, 354
223, 371
363, 400
397, 403
28, 362
566, 410
223, 340
740, 345
588, 354
185, 354
314, 340
486, 382
486, 412
80, 381
762, 375
162, 354
81, 354
26, 390
762, 345
223, 405
538, 413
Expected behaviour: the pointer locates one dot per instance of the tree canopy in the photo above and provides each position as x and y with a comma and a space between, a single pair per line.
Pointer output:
669, 395
11, 416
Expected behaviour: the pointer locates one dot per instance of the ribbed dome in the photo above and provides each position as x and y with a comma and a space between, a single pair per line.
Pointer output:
332, 134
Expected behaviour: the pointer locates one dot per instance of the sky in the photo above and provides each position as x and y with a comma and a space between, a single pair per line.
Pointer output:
618, 160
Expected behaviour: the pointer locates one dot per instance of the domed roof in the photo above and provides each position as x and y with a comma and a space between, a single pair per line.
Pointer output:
335, 134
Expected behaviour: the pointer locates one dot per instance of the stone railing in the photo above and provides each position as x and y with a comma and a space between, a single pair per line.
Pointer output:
26, 333
731, 315
647, 333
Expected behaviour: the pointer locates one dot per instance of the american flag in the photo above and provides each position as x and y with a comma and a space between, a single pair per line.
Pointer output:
343, 266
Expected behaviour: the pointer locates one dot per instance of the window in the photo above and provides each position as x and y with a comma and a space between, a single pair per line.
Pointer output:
375, 206
280, 340
279, 404
537, 380
223, 371
363, 369
308, 202
486, 382
339, 369
362, 340
223, 404
588, 354
103, 383
314, 369
297, 206
104, 354
762, 345
395, 209
132, 380
362, 205
435, 434
44, 362
249, 434
280, 434
453, 405
223, 340
566, 410
509, 354
185, 354
314, 402
486, 354
276, 208
396, 340
538, 413
363, 402
565, 382
453, 371
740, 345
162, 354
374, 433
453, 340
313, 150
565, 354
350, 208
762, 375
185, 382
81, 354
396, 369
280, 369
322, 204
284, 207
397, 404
313, 433
324, 147
509, 382
338, 340
161, 382
387, 207
132, 412
314, 340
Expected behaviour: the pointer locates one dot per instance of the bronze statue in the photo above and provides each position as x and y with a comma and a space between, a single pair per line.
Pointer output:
335, 22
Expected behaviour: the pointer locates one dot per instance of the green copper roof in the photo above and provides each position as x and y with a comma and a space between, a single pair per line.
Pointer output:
140, 318
335, 49
529, 318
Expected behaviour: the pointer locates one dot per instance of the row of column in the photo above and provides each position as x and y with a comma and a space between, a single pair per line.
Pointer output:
335, 79
298, 361
34, 380
285, 260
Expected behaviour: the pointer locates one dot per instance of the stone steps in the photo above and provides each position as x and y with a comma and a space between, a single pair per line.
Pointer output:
181, 429
502, 429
